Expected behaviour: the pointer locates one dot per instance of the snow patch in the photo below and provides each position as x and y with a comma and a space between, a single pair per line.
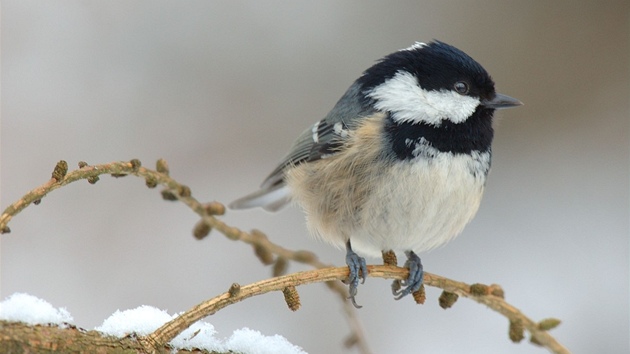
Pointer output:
31, 310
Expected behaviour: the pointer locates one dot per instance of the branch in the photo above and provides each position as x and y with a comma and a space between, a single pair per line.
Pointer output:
18, 337
491, 296
264, 249
487, 295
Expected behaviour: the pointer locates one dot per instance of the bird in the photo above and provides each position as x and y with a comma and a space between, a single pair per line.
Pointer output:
400, 162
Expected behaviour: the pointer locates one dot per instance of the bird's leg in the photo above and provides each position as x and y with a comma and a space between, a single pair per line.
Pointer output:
416, 275
358, 270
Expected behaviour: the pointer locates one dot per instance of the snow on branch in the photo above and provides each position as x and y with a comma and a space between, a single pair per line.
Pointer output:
272, 254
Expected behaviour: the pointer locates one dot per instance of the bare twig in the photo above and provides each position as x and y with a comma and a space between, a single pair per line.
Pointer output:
491, 296
171, 329
177, 191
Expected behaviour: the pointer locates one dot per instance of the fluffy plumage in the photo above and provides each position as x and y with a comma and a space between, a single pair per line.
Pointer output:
399, 163
380, 205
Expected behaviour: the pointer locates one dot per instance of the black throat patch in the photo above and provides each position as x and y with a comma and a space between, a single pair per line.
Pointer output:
474, 134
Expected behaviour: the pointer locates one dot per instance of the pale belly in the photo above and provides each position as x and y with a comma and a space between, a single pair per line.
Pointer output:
419, 207
413, 205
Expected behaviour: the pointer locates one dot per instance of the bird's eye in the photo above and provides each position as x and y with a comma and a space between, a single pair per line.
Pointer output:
461, 87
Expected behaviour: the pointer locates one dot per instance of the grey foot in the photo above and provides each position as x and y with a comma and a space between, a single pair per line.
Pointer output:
358, 270
416, 275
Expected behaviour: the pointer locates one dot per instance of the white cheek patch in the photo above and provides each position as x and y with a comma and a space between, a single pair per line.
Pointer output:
408, 102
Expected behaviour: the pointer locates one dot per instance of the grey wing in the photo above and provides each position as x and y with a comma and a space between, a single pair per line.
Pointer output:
321, 140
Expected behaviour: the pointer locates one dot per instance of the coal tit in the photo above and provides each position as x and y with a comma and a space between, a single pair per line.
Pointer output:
398, 164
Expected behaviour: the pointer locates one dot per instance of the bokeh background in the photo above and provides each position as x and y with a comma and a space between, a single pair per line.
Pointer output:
220, 89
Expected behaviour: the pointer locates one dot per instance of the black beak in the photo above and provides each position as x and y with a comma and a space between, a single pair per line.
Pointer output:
501, 101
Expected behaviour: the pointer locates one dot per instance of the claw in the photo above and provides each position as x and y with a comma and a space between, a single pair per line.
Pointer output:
358, 270
416, 275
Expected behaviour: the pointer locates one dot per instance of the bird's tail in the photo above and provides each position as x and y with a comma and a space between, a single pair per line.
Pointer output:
270, 198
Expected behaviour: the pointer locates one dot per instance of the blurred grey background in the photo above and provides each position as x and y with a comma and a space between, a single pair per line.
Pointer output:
220, 89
